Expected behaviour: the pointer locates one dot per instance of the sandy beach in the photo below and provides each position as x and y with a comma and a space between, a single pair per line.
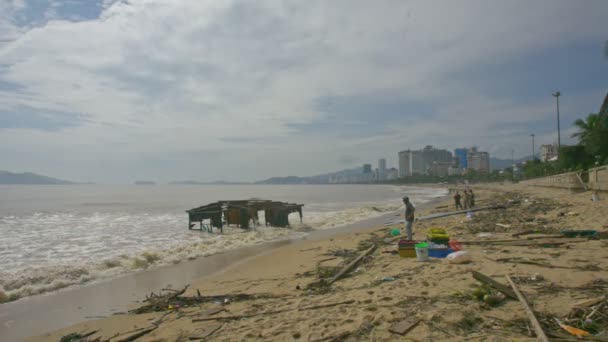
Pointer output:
276, 296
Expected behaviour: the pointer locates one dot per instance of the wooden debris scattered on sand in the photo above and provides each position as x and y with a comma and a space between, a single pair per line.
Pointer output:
137, 335
495, 284
353, 263
540, 334
404, 326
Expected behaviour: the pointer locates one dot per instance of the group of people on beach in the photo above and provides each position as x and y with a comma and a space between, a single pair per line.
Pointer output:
469, 202
469, 199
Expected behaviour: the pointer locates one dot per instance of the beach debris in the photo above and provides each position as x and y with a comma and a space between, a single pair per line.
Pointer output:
495, 284
203, 333
77, 337
537, 277
137, 335
572, 330
175, 300
439, 215
589, 302
404, 326
540, 334
494, 299
503, 225
352, 264
460, 257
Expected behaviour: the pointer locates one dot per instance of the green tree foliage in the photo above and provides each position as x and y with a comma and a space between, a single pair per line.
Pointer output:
593, 135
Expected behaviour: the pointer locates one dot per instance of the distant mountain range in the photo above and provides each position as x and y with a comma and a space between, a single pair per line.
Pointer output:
318, 179
7, 177
193, 182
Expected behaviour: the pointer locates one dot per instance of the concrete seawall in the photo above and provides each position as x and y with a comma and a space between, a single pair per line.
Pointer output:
598, 178
563, 180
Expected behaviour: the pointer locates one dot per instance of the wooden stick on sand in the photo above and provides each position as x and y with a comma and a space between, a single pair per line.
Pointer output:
540, 334
351, 265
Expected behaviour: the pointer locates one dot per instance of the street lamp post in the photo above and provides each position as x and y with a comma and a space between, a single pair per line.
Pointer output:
533, 150
512, 165
559, 142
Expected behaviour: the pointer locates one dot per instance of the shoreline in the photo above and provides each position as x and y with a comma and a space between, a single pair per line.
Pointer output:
281, 301
106, 297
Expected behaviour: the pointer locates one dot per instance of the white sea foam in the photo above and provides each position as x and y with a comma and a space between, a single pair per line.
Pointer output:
46, 251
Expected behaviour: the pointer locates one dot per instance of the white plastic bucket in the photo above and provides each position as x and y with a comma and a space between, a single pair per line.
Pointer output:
422, 254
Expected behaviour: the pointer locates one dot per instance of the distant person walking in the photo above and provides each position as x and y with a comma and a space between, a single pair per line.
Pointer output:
457, 200
472, 198
467, 199
409, 217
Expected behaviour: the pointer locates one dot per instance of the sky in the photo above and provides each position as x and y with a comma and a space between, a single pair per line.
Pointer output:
114, 91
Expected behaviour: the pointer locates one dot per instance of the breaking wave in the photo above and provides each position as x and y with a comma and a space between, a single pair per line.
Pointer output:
71, 248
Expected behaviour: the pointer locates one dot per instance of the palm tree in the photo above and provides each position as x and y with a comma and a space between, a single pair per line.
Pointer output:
593, 134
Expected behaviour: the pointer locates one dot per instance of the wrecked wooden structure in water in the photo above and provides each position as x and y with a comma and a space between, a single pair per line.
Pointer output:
242, 214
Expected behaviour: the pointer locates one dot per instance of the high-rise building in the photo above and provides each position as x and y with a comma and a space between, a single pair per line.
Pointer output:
367, 168
404, 163
478, 161
421, 162
461, 156
431, 155
410, 163
382, 169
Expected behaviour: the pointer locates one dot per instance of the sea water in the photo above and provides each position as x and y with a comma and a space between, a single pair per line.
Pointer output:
62, 235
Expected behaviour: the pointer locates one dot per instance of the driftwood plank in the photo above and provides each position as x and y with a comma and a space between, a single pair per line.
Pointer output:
540, 334
214, 311
137, 335
439, 215
404, 326
352, 264
499, 286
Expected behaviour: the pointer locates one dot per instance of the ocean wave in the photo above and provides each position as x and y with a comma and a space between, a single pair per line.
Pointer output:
74, 248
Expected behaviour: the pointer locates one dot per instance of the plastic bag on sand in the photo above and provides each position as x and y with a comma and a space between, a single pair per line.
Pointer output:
460, 257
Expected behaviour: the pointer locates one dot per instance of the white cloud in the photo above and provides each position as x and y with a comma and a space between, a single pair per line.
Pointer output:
162, 81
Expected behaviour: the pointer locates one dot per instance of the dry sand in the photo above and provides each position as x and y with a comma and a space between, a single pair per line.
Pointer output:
385, 289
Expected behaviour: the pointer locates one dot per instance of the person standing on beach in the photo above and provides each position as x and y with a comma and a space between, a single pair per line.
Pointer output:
467, 199
457, 200
472, 204
409, 217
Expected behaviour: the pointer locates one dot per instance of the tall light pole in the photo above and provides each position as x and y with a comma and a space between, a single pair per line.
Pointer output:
512, 165
559, 142
533, 154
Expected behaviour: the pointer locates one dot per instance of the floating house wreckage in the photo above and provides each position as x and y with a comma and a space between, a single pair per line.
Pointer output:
243, 214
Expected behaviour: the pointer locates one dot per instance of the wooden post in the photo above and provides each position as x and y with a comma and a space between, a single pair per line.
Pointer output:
540, 334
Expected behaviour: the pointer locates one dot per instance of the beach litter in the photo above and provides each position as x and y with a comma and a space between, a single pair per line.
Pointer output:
460, 257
